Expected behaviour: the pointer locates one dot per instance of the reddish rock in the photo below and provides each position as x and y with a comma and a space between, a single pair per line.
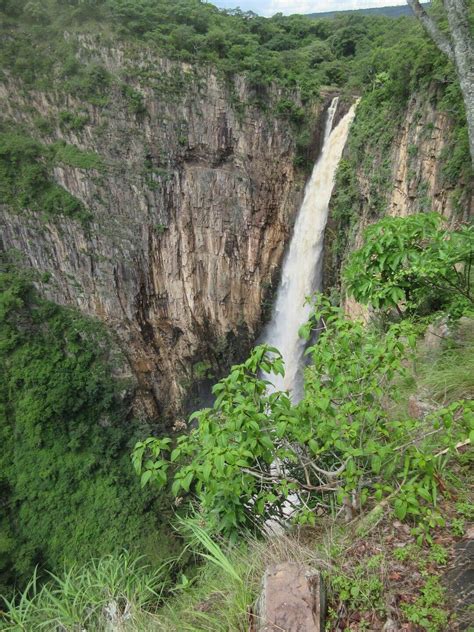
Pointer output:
292, 600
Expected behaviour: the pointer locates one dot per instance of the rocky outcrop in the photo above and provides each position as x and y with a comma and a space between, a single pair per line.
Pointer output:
417, 171
191, 211
292, 599
407, 179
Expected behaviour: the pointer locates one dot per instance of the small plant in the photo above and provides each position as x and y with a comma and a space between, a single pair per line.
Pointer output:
407, 552
458, 526
428, 611
161, 228
75, 121
202, 370
438, 554
465, 509
360, 588
135, 100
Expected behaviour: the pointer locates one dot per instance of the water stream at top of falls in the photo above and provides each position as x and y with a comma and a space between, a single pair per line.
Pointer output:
302, 266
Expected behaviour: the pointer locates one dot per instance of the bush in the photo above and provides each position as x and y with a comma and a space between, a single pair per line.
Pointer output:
254, 451
26, 182
413, 264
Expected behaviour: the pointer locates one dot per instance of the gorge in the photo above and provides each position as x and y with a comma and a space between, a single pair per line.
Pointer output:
175, 181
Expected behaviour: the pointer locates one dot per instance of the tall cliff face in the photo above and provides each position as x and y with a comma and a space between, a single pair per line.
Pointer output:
192, 196
410, 167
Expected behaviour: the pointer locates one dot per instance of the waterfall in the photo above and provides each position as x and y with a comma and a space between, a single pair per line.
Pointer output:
302, 266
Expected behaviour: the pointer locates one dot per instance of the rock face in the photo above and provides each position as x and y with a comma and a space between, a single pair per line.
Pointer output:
291, 600
191, 214
418, 182
413, 182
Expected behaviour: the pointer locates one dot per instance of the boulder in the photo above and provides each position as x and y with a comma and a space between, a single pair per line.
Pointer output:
292, 600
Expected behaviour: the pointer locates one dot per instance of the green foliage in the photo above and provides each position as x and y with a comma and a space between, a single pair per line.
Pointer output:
89, 82
427, 611
202, 370
294, 51
415, 263
136, 103
74, 157
217, 595
26, 182
288, 109
363, 588
336, 447
111, 591
75, 121
220, 455
207, 548
67, 489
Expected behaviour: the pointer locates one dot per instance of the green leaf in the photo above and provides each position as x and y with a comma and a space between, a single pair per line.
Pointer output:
206, 471
176, 487
186, 482
400, 509
376, 464
145, 477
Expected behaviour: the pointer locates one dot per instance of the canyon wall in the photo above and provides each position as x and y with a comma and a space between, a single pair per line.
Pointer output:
192, 200
408, 174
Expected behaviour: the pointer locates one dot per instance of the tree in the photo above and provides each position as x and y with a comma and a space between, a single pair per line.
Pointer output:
255, 456
415, 263
458, 46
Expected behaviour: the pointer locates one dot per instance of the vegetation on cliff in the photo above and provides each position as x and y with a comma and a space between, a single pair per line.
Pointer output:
67, 488
386, 60
26, 180
400, 473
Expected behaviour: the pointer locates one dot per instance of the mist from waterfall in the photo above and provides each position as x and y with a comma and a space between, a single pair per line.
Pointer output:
302, 266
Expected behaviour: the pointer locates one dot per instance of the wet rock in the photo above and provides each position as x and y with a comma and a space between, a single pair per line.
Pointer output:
292, 600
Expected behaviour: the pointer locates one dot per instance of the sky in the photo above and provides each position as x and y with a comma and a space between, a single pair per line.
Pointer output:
270, 7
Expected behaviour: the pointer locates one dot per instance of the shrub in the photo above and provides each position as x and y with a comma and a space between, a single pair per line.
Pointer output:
26, 182
413, 264
254, 451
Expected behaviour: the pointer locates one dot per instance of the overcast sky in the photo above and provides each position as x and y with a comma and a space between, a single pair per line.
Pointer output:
270, 7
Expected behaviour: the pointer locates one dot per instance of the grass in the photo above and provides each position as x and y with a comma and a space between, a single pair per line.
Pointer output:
440, 374
74, 157
369, 578
450, 375
220, 596
113, 591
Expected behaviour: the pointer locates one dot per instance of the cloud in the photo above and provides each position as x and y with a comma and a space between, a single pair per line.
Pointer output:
270, 7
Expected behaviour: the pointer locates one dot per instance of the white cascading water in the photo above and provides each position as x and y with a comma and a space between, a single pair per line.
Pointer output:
301, 274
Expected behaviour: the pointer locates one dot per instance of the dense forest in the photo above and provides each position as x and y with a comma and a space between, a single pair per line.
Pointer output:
106, 519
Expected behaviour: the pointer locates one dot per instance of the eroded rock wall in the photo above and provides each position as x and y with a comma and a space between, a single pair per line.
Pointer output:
413, 180
191, 214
